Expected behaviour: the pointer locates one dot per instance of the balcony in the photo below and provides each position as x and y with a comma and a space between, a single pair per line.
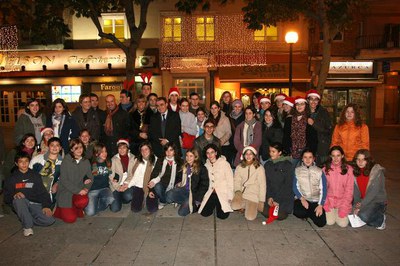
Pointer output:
378, 47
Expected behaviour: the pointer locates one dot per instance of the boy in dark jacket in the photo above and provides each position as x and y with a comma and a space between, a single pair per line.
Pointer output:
25, 192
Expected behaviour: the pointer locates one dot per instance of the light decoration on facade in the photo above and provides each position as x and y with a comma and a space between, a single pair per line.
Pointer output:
233, 45
8, 47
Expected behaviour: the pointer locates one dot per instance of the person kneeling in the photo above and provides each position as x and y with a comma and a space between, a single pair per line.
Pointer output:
24, 190
250, 185
309, 186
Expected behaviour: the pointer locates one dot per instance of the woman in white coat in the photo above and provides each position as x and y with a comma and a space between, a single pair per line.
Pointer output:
220, 190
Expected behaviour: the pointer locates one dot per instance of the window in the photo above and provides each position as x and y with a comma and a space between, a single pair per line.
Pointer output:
114, 24
69, 93
339, 36
187, 86
269, 33
173, 29
205, 29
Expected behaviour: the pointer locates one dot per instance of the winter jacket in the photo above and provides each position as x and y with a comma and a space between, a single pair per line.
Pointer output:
323, 130
92, 122
279, 176
198, 186
376, 192
351, 138
24, 126
30, 184
38, 162
239, 139
310, 183
73, 174
223, 130
221, 180
340, 190
118, 171
251, 182
270, 135
69, 130
287, 137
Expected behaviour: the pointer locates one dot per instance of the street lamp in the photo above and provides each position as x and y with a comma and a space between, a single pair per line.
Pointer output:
291, 37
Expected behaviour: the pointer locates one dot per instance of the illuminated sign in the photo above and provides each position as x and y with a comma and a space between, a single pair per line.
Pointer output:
348, 67
69, 93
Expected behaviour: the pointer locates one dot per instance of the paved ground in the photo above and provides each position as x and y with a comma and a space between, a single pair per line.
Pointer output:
166, 239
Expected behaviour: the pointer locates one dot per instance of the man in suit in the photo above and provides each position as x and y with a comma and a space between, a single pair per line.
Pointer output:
165, 126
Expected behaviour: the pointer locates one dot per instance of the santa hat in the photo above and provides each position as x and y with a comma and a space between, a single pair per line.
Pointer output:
174, 90
313, 93
289, 101
280, 96
263, 99
300, 99
273, 214
123, 141
45, 129
248, 148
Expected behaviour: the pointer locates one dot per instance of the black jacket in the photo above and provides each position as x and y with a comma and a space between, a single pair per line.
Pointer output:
199, 184
172, 131
270, 135
287, 139
69, 130
30, 184
121, 128
92, 122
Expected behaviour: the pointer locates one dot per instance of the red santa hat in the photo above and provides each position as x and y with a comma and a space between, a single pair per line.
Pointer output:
289, 101
46, 129
300, 99
313, 93
174, 90
263, 99
248, 148
280, 96
123, 141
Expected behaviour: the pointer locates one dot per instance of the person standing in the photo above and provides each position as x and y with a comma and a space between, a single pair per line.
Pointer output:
207, 138
125, 101
86, 117
140, 119
272, 132
173, 99
165, 127
222, 130
31, 121
94, 100
195, 103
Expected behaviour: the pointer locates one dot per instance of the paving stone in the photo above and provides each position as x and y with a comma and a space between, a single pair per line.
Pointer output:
194, 222
235, 221
167, 223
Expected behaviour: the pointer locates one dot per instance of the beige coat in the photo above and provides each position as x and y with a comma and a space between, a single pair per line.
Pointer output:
221, 179
223, 130
116, 168
253, 185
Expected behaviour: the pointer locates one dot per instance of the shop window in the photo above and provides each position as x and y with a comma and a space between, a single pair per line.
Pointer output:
187, 86
114, 24
205, 29
173, 29
269, 33
339, 36
69, 93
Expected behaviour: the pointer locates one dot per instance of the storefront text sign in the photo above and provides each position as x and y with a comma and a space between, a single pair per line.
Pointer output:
363, 67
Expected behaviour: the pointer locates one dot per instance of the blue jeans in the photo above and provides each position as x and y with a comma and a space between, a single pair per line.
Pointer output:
373, 216
99, 200
121, 198
180, 196
160, 191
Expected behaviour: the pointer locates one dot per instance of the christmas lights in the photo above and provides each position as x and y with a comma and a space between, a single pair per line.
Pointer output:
8, 47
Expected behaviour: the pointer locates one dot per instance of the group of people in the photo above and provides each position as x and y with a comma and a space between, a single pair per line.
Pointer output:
274, 159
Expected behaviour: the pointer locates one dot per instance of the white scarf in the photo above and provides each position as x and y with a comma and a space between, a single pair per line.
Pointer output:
173, 173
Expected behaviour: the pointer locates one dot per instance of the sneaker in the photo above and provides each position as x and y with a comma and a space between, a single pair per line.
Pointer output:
383, 225
161, 206
176, 205
28, 231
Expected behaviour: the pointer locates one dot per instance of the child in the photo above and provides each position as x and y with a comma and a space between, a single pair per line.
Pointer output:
74, 184
121, 167
369, 190
309, 186
190, 192
47, 133
85, 137
340, 181
250, 184
100, 195
279, 173
166, 174
48, 166
24, 190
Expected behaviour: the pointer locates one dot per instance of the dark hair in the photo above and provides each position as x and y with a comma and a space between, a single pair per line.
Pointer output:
72, 144
209, 120
127, 93
28, 102
21, 155
54, 139
201, 109
307, 150
277, 145
251, 108
62, 102
214, 147
357, 115
183, 100
141, 97
83, 96
98, 147
152, 157
328, 163
93, 95
215, 103
194, 94
21, 145
177, 158
150, 95
275, 121
368, 158
216, 119
84, 130
162, 99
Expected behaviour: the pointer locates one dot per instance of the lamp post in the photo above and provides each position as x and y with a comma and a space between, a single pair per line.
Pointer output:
291, 37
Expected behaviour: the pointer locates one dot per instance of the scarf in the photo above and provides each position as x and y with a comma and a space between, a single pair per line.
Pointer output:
235, 115
126, 106
189, 175
298, 135
108, 125
29, 151
173, 172
124, 162
250, 131
57, 124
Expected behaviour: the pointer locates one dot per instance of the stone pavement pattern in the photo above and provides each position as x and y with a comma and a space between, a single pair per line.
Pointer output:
166, 239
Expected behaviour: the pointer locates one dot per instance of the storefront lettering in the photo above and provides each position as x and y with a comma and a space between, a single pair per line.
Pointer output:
351, 67
27, 60
107, 87
90, 59
269, 71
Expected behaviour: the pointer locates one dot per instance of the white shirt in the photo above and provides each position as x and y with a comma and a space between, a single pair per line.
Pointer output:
138, 176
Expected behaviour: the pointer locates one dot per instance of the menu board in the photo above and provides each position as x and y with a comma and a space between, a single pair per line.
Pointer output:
69, 93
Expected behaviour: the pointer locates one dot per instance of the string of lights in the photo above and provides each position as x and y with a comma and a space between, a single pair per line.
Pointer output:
8, 46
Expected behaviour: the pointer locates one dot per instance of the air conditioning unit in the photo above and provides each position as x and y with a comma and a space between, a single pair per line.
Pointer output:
146, 61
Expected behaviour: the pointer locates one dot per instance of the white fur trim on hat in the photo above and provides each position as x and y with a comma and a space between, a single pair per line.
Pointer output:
43, 130
300, 100
265, 99
313, 94
123, 141
248, 148
285, 101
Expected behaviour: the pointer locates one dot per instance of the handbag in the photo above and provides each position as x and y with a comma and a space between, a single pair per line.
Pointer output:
187, 140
